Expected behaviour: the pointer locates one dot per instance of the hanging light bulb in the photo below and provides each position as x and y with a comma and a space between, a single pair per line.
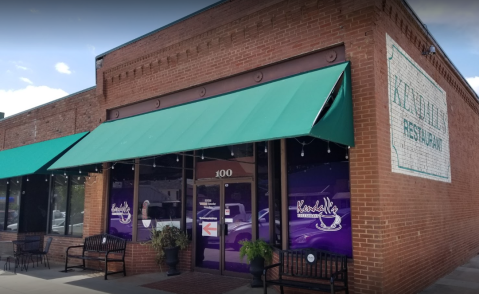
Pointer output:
132, 167
302, 149
232, 152
46, 178
347, 156
66, 177
52, 175
96, 168
329, 150
113, 166
154, 163
17, 182
177, 158
79, 170
28, 180
202, 155
266, 147
64, 173
8, 182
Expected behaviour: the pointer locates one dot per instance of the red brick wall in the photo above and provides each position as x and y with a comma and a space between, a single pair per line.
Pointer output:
74, 114
425, 225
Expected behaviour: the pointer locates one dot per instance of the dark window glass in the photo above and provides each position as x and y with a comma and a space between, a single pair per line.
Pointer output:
189, 202
3, 203
122, 176
277, 194
224, 162
159, 194
59, 204
14, 203
262, 190
77, 205
319, 195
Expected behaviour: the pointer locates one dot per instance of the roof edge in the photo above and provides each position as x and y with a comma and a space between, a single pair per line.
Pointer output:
161, 28
48, 103
456, 71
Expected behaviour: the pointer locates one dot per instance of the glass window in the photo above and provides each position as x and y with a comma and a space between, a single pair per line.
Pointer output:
3, 203
122, 175
67, 205
13, 207
319, 195
77, 206
159, 193
59, 204
262, 190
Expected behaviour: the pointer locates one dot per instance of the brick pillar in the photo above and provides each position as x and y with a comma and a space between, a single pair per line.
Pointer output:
95, 202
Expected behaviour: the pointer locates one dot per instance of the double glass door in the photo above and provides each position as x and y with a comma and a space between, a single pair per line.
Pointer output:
223, 218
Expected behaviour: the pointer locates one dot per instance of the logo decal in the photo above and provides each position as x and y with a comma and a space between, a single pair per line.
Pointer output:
329, 220
123, 211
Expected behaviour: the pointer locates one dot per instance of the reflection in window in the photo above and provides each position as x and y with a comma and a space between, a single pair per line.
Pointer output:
319, 196
262, 191
13, 206
77, 206
122, 176
59, 204
159, 193
3, 203
67, 205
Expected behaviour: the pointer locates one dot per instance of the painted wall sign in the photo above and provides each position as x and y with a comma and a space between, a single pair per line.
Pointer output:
418, 119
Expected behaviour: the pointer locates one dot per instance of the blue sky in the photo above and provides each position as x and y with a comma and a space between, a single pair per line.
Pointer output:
48, 48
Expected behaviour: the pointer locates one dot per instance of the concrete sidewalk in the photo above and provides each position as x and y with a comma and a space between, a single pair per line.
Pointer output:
41, 280
464, 280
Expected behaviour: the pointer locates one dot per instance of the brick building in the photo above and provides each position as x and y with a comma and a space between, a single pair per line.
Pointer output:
248, 107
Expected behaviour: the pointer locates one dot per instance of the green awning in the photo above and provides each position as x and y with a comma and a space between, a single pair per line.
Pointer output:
317, 103
34, 158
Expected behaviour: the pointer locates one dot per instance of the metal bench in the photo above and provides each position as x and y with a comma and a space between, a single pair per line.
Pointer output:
100, 248
310, 269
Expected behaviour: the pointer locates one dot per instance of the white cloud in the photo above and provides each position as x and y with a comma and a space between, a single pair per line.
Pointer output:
474, 82
15, 101
62, 67
26, 80
21, 67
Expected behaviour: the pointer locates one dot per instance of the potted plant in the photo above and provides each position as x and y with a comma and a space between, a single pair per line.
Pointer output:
167, 242
256, 252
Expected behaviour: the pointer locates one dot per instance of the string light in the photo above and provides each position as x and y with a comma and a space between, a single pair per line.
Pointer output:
64, 173
133, 167
202, 155
96, 168
17, 182
177, 158
28, 180
302, 149
113, 166
232, 152
329, 150
8, 182
265, 147
79, 170
46, 178
154, 162
52, 175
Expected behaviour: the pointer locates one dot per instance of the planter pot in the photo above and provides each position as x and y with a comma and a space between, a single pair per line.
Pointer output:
171, 259
256, 269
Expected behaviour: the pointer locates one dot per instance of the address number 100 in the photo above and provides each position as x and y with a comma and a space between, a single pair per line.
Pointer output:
224, 173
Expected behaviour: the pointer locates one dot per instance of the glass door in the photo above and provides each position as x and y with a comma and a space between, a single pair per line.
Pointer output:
223, 218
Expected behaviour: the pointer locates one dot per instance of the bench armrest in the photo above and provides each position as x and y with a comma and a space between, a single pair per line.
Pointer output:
78, 246
114, 251
335, 274
266, 268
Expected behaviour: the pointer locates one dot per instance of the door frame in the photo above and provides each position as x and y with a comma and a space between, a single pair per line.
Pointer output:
221, 182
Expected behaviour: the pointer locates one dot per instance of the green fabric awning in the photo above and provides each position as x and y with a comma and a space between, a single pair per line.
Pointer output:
290, 107
34, 158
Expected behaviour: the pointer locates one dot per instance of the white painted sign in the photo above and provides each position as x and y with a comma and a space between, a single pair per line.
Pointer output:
418, 119
210, 229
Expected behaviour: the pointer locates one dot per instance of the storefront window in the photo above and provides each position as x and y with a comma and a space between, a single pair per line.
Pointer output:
13, 206
262, 191
122, 175
59, 204
159, 194
3, 203
67, 205
77, 206
189, 193
319, 196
